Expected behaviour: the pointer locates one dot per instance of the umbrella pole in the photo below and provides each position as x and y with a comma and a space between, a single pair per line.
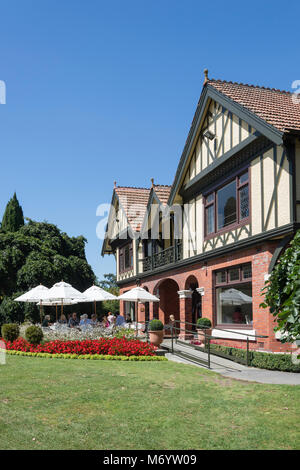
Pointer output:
136, 318
41, 311
56, 311
62, 306
95, 306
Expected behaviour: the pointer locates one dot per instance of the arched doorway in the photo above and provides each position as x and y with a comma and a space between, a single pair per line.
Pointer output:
192, 284
167, 290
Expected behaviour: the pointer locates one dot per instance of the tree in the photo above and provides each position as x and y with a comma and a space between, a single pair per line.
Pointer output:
13, 217
38, 253
282, 292
109, 283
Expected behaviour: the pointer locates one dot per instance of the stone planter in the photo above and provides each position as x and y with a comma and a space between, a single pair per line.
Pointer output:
156, 337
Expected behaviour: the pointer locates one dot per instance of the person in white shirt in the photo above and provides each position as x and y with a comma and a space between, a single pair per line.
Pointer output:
110, 317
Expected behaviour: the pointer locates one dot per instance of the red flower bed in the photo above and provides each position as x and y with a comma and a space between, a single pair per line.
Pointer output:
113, 347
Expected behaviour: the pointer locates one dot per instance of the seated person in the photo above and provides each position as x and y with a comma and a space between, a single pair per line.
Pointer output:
62, 320
46, 321
94, 320
73, 322
120, 320
110, 317
84, 320
237, 316
105, 323
128, 318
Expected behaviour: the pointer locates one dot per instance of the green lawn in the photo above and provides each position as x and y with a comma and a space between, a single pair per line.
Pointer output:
73, 404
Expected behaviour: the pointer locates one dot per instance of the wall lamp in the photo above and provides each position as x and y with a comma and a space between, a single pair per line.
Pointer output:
209, 135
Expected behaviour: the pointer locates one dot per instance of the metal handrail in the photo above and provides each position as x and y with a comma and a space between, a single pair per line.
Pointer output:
220, 329
207, 338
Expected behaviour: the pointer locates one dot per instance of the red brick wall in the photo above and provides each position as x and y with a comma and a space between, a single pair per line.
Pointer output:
259, 256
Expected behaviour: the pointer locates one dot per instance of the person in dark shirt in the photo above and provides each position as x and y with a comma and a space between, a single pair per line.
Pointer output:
73, 322
46, 321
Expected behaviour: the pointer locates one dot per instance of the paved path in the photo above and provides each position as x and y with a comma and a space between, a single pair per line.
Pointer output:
234, 370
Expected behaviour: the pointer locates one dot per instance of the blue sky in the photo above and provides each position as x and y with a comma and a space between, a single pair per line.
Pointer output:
102, 91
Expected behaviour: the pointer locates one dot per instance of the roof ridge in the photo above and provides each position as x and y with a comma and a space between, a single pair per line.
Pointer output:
163, 185
131, 187
249, 85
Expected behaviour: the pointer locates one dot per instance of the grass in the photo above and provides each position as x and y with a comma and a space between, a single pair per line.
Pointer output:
64, 404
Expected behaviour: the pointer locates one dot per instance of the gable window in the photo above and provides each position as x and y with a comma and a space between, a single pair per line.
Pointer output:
233, 290
228, 206
126, 258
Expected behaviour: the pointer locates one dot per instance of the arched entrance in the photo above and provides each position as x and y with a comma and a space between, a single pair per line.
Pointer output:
192, 284
167, 290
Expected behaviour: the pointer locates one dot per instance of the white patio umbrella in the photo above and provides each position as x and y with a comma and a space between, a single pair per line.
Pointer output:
62, 292
138, 294
97, 294
234, 297
36, 295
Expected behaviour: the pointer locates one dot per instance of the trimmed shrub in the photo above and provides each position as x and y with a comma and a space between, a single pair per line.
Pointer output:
282, 362
155, 325
203, 323
10, 331
34, 334
262, 360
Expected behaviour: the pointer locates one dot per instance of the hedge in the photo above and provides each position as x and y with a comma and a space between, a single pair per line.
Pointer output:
262, 360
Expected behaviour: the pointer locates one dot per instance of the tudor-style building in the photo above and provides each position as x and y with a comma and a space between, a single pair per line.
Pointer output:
236, 196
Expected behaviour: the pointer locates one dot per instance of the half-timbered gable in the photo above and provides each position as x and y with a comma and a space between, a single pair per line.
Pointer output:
236, 177
124, 223
220, 131
156, 234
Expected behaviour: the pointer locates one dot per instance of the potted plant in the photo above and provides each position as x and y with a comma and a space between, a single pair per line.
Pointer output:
156, 332
203, 328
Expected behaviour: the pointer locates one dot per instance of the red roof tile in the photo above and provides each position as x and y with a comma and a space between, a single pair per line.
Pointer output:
162, 192
276, 107
134, 202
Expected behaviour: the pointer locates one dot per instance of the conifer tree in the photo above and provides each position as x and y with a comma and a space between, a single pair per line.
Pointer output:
13, 217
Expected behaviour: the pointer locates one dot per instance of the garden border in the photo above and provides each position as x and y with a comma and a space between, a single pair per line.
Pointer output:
105, 357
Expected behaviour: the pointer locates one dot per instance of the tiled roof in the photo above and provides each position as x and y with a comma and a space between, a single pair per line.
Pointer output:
162, 192
276, 107
134, 202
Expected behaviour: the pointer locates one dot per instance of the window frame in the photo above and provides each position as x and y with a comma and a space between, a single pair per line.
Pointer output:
122, 267
242, 280
214, 191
